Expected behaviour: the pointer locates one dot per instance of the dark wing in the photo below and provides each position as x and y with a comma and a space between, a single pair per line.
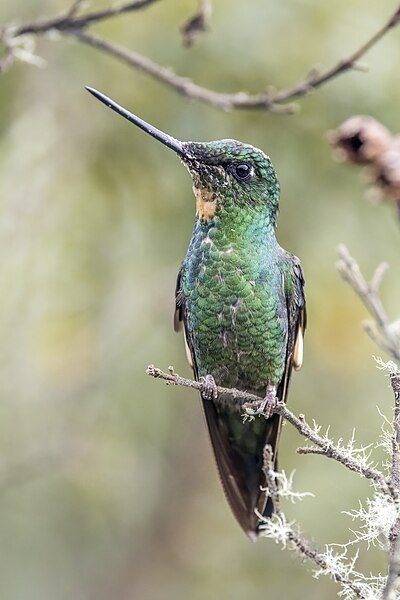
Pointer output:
297, 320
179, 319
178, 314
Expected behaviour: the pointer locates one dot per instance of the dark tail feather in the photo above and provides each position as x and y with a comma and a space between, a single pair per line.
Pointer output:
238, 450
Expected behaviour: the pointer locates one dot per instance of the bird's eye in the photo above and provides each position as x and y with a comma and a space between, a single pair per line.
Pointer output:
243, 171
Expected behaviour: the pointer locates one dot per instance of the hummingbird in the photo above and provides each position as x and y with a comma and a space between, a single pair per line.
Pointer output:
240, 302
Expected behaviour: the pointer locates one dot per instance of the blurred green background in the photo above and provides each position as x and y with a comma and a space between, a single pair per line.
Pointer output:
107, 484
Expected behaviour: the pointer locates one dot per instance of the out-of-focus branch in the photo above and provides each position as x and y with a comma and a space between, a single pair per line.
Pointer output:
182, 85
7, 59
70, 21
328, 448
197, 24
278, 101
380, 330
14, 36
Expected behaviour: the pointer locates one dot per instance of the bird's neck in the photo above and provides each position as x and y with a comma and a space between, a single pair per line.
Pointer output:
240, 225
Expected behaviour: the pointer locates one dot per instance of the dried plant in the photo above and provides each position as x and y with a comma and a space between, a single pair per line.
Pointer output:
364, 141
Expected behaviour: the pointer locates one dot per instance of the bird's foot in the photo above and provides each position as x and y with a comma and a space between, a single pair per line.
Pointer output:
266, 406
208, 388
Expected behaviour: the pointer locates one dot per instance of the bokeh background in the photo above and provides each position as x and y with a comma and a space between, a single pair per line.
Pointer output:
107, 484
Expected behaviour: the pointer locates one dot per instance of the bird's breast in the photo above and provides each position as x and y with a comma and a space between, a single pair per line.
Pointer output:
233, 315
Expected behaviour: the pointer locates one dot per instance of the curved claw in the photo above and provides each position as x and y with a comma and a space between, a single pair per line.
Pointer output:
265, 406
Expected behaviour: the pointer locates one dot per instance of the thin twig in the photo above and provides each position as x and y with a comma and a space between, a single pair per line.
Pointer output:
278, 101
351, 62
182, 85
380, 330
7, 59
173, 378
302, 545
330, 449
74, 8
197, 24
310, 450
68, 21
270, 478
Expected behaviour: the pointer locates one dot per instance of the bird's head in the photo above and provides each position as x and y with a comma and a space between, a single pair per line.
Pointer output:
225, 173
228, 172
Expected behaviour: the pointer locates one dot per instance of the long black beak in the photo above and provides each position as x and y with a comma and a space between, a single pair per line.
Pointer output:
162, 137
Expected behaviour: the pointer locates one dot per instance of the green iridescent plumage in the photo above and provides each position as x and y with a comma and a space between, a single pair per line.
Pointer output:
240, 296
240, 299
232, 281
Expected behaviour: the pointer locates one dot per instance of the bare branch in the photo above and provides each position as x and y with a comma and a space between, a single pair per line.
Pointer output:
7, 59
330, 450
316, 79
380, 331
182, 85
377, 277
74, 8
278, 101
68, 21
